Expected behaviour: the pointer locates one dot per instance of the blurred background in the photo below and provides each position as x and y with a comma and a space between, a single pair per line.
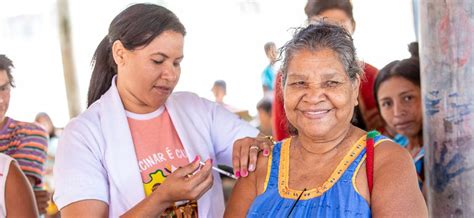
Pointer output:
224, 41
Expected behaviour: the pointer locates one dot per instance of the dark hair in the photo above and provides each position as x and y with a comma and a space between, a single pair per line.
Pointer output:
46, 116
413, 49
222, 84
269, 45
408, 69
320, 36
6, 64
135, 26
265, 105
316, 7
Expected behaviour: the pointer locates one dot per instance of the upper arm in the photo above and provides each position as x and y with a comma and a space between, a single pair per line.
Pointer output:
395, 191
243, 194
19, 198
78, 172
226, 128
95, 208
247, 189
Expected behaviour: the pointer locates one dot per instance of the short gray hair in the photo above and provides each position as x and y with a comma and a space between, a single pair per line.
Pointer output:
320, 36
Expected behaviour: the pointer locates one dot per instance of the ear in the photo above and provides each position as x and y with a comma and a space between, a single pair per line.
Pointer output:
353, 27
118, 52
355, 90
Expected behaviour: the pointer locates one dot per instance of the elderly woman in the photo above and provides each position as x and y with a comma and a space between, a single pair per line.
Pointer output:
141, 150
321, 170
366, 115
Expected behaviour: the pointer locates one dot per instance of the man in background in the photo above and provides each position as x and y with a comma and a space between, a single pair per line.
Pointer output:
219, 89
264, 108
25, 142
268, 74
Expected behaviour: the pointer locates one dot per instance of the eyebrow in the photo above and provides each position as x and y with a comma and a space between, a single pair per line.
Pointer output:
323, 75
297, 76
406, 92
385, 99
329, 75
166, 56
403, 93
5, 85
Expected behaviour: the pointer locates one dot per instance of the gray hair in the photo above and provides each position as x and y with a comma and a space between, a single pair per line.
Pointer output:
320, 36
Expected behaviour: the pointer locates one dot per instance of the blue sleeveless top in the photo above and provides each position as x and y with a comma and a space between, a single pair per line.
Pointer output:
337, 197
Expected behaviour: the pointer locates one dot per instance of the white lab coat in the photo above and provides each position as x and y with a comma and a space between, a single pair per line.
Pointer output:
96, 157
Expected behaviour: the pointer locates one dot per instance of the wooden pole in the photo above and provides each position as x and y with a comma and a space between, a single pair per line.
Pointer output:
72, 89
447, 73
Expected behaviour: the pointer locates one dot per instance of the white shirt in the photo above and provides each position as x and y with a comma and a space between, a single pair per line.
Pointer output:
96, 157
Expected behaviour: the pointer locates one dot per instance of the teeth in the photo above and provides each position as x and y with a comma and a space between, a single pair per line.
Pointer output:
317, 113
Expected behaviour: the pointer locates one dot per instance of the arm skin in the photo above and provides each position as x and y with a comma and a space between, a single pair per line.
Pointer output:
396, 192
246, 190
19, 198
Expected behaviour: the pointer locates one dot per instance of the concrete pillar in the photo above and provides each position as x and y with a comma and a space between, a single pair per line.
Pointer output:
72, 90
447, 73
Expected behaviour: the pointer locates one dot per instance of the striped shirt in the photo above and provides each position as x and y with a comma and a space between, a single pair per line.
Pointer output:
27, 143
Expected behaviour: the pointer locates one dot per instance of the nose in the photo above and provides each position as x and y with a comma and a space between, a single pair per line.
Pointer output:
398, 109
314, 94
169, 73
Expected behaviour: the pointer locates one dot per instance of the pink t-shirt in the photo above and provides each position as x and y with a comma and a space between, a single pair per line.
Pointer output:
157, 145
159, 152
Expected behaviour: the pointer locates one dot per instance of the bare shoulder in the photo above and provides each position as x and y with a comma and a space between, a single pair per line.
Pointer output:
19, 196
395, 191
388, 152
247, 189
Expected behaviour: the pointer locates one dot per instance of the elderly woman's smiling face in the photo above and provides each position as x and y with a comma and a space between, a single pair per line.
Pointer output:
319, 96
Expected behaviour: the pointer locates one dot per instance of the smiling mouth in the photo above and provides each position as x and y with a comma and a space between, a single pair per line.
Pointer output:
316, 114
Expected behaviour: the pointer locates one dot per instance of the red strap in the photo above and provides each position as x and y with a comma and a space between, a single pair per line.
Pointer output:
369, 161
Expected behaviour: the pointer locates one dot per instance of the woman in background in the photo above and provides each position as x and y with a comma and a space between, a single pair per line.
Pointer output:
398, 95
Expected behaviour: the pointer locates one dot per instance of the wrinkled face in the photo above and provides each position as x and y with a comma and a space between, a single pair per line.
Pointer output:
400, 105
319, 96
147, 75
335, 16
4, 94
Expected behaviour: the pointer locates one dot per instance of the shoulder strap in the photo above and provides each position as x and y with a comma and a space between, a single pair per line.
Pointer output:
369, 161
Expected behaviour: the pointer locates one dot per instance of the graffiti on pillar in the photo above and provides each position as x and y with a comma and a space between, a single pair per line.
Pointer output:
463, 43
445, 170
432, 103
446, 167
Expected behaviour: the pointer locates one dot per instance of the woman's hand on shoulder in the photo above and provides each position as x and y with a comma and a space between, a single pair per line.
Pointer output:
395, 191
246, 151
